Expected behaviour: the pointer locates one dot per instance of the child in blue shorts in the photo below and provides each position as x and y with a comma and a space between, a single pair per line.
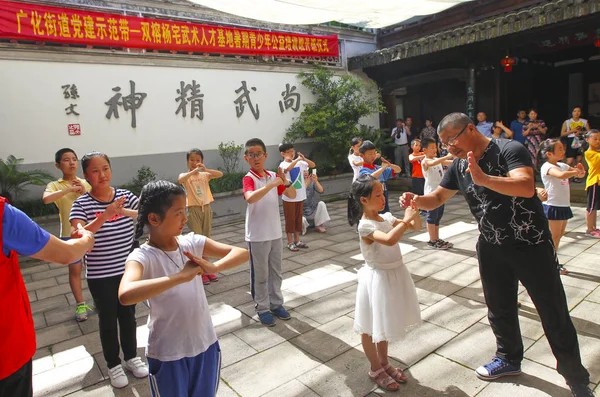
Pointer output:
183, 353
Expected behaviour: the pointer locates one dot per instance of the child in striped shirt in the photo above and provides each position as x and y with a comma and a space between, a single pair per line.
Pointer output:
108, 212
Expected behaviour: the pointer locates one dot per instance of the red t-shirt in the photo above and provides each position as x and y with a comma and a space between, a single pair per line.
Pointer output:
417, 171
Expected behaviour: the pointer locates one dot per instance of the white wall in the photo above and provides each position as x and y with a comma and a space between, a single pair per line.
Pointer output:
34, 123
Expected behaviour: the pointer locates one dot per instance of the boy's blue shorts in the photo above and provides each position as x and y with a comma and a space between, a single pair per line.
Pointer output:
189, 376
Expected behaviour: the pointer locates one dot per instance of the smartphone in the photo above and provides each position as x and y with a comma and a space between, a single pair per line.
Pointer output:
314, 171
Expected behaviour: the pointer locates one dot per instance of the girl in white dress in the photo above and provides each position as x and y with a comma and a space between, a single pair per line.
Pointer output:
386, 299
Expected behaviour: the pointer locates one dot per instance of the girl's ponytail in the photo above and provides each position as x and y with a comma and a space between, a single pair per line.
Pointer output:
362, 187
546, 147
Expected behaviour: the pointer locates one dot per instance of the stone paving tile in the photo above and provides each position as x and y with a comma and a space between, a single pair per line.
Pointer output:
580, 278
87, 297
437, 376
36, 285
62, 270
227, 283
35, 268
291, 389
227, 319
574, 297
455, 313
68, 378
57, 333
233, 297
266, 371
461, 274
473, 347
61, 289
39, 321
419, 342
136, 388
344, 376
423, 269
329, 340
233, 349
326, 285
586, 317
431, 291
261, 338
594, 296
310, 257
320, 269
328, 308
42, 361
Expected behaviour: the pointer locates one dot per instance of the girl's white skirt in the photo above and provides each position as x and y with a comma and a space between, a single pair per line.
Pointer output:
386, 302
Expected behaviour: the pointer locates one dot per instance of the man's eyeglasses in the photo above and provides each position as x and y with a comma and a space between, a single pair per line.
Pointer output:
255, 155
452, 141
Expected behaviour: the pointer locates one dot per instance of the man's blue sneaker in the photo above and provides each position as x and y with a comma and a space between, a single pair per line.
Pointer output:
266, 319
581, 390
497, 369
281, 313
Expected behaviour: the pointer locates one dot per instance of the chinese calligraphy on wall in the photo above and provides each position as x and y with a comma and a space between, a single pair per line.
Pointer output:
189, 100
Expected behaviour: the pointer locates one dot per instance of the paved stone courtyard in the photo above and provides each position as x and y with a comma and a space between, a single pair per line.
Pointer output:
316, 353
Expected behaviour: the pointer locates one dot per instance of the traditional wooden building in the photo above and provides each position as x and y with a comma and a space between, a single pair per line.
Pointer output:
452, 61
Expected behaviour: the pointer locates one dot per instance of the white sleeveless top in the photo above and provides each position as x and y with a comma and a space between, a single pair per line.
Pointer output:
572, 124
433, 177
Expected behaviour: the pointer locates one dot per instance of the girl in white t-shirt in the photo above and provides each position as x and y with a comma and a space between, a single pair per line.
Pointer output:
354, 157
183, 352
555, 176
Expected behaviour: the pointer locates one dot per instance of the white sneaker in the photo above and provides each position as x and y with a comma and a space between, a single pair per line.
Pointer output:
137, 367
117, 376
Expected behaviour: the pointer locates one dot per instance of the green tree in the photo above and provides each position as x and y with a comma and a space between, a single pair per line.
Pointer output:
13, 181
332, 120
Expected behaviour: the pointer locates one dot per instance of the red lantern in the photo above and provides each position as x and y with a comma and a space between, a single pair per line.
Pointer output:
507, 62
597, 43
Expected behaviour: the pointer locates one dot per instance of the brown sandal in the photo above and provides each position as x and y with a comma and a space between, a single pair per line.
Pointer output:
383, 380
396, 373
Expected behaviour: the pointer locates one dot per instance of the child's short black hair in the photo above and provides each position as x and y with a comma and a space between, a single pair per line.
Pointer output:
366, 145
59, 154
255, 142
355, 141
425, 142
592, 132
194, 151
284, 147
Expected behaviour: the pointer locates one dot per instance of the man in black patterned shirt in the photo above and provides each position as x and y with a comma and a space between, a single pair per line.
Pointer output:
496, 177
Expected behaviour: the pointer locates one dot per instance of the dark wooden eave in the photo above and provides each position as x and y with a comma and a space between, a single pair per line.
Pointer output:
505, 24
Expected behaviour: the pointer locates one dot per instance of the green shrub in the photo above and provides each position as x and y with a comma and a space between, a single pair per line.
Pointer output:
230, 153
144, 176
13, 181
36, 208
332, 120
227, 183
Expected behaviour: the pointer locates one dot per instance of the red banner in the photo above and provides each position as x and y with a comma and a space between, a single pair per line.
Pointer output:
61, 25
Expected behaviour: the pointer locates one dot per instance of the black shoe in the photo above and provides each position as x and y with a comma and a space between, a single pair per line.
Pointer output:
581, 390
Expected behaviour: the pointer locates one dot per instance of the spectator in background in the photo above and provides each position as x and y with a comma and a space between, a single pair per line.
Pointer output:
429, 132
401, 136
516, 126
500, 131
534, 131
484, 126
